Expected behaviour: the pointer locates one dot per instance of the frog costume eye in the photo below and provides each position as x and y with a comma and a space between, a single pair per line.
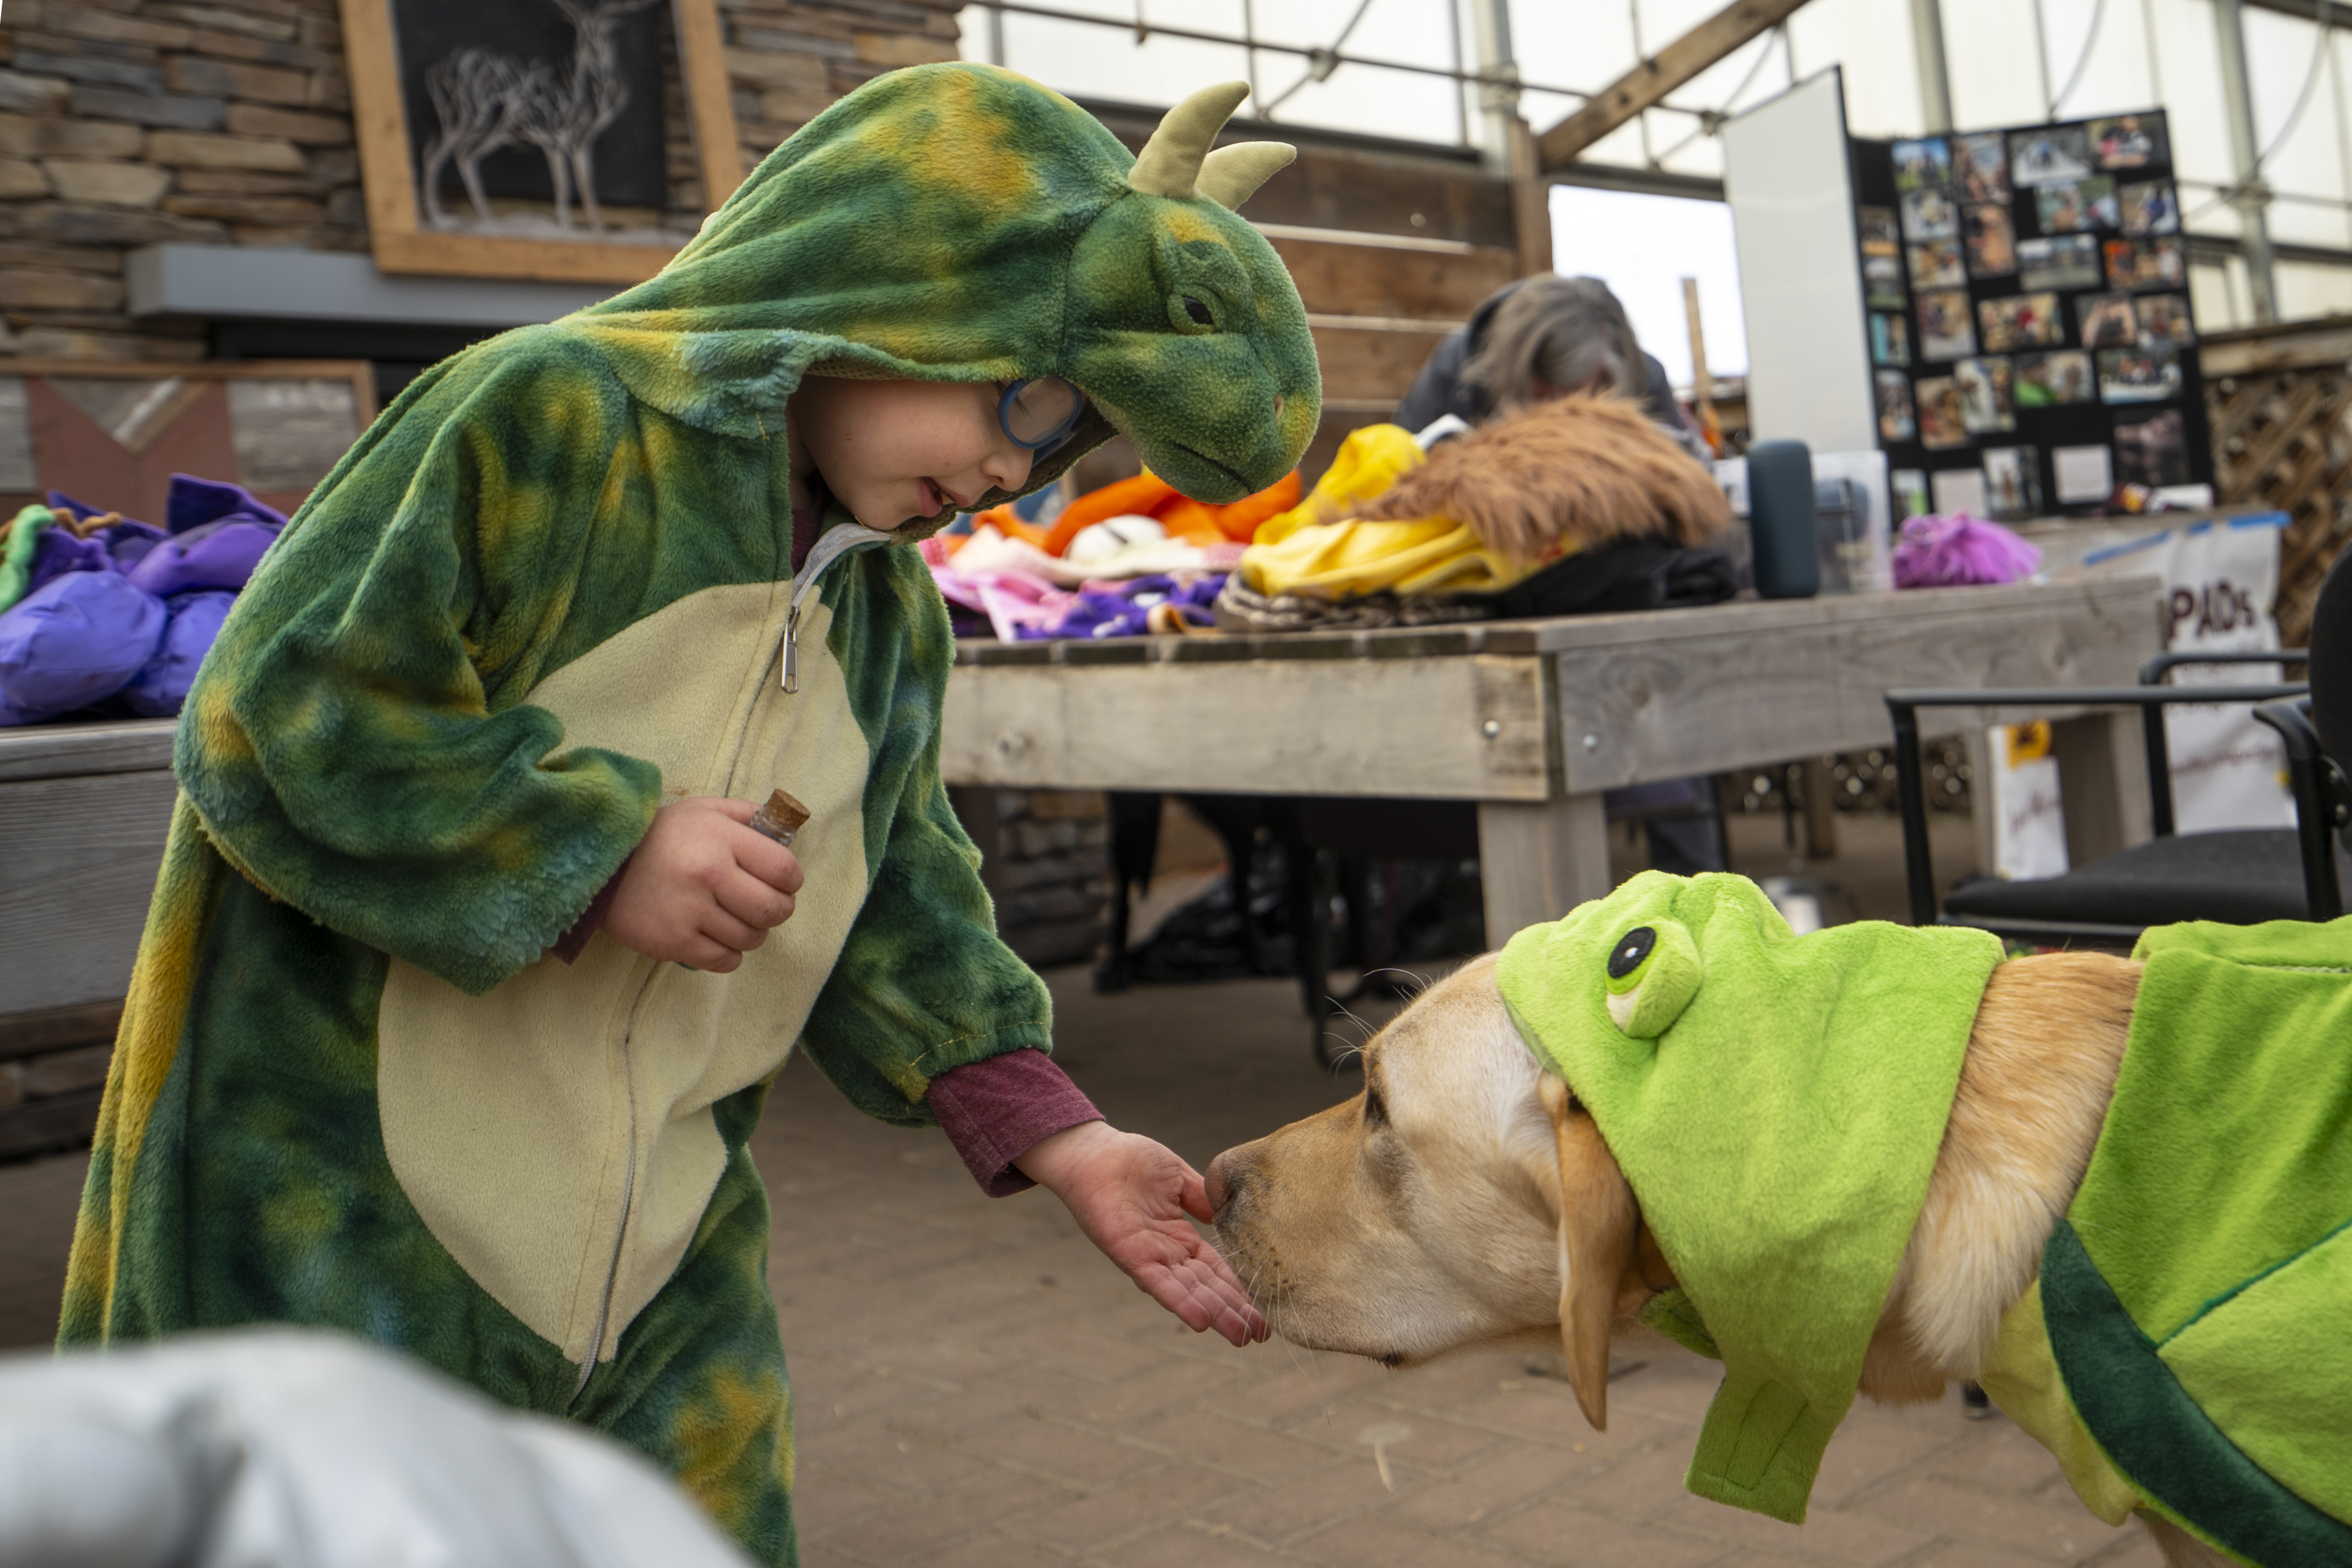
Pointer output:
1653, 973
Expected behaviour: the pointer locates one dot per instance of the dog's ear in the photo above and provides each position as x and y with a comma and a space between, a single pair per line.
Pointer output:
1599, 1222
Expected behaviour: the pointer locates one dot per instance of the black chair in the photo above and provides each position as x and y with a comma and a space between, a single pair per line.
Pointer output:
2239, 876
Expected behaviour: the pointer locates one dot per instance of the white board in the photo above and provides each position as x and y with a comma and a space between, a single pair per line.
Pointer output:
1787, 177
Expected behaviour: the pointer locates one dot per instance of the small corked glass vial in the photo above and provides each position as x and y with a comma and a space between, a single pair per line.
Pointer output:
782, 818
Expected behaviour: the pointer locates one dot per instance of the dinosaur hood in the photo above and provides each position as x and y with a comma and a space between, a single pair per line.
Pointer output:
960, 223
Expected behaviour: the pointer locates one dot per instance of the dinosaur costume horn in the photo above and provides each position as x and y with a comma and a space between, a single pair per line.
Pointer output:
1170, 162
1231, 175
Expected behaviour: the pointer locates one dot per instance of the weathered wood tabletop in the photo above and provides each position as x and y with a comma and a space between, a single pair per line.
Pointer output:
1534, 719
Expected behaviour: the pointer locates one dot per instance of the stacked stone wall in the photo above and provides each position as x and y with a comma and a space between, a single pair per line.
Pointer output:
133, 122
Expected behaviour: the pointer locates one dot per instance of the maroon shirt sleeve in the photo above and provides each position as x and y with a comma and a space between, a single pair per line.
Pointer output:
995, 1111
574, 941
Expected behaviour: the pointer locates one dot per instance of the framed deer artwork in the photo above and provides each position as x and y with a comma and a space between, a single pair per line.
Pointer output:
573, 140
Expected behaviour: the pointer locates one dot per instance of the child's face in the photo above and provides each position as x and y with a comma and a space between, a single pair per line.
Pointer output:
894, 451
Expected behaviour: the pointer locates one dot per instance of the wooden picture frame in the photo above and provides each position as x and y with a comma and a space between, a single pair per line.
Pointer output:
404, 244
276, 426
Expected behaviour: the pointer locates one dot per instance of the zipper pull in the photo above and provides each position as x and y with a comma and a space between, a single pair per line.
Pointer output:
792, 650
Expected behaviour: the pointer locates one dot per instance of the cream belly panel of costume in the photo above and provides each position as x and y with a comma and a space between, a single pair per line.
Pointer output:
555, 1134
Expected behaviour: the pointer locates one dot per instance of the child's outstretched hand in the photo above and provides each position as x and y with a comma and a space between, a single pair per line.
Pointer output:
703, 889
1130, 1195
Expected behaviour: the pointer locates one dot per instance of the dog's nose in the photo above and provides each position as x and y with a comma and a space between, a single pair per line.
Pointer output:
1219, 1180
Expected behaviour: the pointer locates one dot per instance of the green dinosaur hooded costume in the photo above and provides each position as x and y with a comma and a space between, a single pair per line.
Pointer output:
1777, 1102
549, 588
1770, 1098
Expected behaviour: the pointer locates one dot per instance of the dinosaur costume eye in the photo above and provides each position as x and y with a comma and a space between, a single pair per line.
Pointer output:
1200, 313
1651, 974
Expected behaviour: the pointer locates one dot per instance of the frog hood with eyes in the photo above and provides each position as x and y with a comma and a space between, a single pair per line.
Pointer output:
1775, 1102
959, 223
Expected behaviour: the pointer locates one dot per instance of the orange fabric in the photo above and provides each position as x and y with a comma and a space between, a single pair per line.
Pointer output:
1187, 519
1003, 521
1139, 494
1240, 520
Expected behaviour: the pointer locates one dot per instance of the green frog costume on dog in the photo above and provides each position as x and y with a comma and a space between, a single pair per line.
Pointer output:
551, 587
1777, 1102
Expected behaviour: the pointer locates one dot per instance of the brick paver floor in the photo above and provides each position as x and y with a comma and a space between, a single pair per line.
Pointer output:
976, 1387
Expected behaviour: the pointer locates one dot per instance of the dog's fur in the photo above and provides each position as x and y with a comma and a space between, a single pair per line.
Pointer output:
1464, 1198
1573, 472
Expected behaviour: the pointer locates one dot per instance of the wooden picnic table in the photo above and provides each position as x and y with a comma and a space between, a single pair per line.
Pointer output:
1533, 720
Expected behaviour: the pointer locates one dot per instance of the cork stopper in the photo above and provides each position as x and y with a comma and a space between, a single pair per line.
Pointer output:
782, 818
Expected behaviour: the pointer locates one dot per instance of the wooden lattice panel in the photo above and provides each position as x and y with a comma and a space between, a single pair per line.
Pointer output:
2279, 399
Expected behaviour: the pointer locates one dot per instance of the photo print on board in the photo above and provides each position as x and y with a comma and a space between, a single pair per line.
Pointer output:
2164, 320
1880, 236
1980, 164
2085, 474
1910, 488
2057, 153
1890, 338
1940, 429
1947, 332
2055, 378
2139, 375
1959, 490
2147, 263
2151, 207
1896, 422
2129, 141
2020, 321
2074, 206
1924, 165
2105, 321
2153, 452
1986, 408
2062, 261
2012, 481
1881, 282
1991, 241
1930, 215
1935, 264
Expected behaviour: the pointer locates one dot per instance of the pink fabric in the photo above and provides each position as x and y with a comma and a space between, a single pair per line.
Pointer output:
995, 1111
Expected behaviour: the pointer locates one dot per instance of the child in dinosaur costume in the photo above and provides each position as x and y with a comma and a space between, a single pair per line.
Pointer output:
510, 683
1777, 1102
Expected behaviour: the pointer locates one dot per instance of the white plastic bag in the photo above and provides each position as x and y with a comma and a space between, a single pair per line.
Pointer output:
2220, 579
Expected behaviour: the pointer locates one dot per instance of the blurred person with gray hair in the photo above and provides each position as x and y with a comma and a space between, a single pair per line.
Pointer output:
1547, 337
1538, 339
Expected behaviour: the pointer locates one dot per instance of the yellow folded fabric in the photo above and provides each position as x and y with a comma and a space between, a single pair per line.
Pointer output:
1299, 553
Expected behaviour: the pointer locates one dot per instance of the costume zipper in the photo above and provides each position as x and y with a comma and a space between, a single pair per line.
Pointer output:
837, 541
628, 1196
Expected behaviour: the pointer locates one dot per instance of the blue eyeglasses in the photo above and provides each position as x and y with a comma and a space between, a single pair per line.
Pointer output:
1040, 413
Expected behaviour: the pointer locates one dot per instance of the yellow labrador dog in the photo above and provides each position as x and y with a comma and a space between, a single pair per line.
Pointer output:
1464, 1199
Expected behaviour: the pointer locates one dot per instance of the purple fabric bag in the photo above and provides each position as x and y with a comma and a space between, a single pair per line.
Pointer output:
191, 503
162, 684
210, 555
58, 552
73, 641
124, 542
218, 533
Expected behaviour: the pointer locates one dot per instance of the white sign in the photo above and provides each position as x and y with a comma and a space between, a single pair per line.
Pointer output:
2029, 814
2221, 581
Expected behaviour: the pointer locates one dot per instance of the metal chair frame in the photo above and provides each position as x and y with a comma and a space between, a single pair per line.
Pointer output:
2310, 775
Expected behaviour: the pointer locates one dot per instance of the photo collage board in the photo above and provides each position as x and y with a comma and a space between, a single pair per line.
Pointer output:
2031, 345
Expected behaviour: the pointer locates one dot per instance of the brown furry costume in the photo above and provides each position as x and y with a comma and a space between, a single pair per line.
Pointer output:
1575, 471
